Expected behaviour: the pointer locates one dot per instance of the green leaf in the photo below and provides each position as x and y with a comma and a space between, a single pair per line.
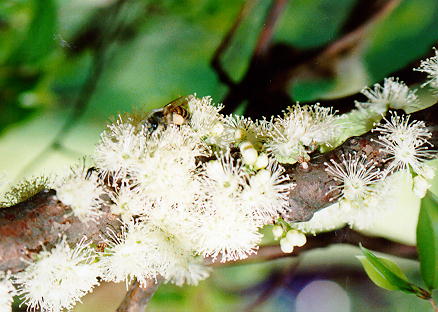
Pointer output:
385, 273
40, 37
427, 240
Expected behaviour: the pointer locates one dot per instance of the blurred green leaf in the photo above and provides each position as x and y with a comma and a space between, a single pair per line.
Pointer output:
385, 273
40, 37
427, 240
312, 23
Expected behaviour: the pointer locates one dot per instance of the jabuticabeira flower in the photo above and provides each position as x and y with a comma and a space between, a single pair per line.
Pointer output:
207, 122
127, 200
300, 131
58, 278
82, 191
430, 67
121, 145
393, 94
145, 251
7, 292
266, 193
355, 175
406, 143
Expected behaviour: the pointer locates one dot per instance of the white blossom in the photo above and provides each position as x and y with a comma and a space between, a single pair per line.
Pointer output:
356, 176
227, 233
393, 94
81, 191
207, 122
301, 130
7, 292
296, 238
224, 175
240, 129
277, 231
266, 193
286, 246
430, 67
121, 146
405, 142
168, 170
58, 278
145, 251
128, 201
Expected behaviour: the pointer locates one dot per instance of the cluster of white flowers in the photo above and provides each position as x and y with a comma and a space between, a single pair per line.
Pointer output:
430, 67
81, 191
405, 143
59, 277
300, 131
393, 94
204, 185
361, 186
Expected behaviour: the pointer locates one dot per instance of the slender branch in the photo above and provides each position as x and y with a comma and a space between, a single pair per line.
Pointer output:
351, 38
433, 304
267, 32
138, 297
226, 41
341, 236
280, 280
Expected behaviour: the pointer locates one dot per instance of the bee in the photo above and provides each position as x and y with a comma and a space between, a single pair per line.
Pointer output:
101, 247
174, 113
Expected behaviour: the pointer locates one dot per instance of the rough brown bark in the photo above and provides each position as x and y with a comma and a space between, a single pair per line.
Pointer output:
41, 220
138, 297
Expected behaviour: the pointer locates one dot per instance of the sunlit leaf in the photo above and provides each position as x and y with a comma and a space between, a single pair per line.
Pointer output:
41, 33
385, 273
427, 240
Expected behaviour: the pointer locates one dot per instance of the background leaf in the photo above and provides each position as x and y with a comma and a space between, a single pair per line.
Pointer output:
427, 240
385, 273
39, 40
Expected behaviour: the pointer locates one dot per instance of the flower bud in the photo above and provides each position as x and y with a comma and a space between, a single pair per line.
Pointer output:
286, 246
249, 153
217, 129
277, 231
296, 238
428, 172
263, 176
261, 162
420, 186
239, 134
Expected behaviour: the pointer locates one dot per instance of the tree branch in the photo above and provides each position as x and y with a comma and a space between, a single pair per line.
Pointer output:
42, 218
138, 297
267, 32
341, 236
225, 43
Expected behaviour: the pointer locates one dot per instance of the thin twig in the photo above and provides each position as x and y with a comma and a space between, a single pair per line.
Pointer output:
226, 41
341, 236
433, 304
138, 297
281, 279
267, 32
352, 37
